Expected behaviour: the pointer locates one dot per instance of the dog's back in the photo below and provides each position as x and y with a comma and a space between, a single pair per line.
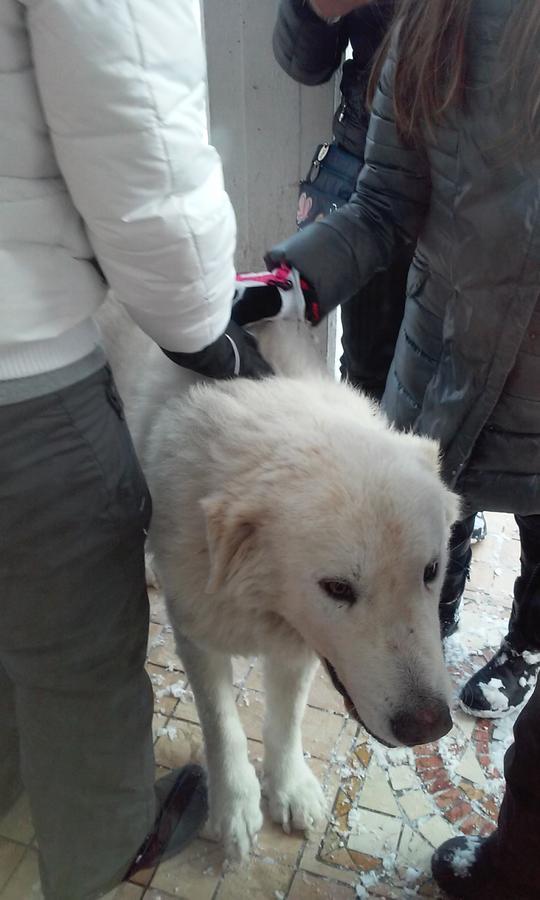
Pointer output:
146, 378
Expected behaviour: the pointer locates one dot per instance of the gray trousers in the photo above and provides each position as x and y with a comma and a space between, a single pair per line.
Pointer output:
75, 702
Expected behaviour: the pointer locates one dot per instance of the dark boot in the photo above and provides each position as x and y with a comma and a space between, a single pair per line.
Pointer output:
506, 865
449, 616
468, 868
183, 808
480, 529
506, 682
457, 574
503, 685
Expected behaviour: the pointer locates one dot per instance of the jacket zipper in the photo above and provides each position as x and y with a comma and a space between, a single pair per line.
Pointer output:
342, 111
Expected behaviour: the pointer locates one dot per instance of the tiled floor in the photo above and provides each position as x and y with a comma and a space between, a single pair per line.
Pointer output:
388, 809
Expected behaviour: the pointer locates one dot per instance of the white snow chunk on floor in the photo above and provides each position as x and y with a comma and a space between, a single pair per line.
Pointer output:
463, 859
493, 691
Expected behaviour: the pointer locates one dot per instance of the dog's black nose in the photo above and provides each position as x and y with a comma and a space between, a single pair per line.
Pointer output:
428, 723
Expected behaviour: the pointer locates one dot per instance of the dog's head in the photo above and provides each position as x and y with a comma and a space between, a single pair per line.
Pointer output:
349, 546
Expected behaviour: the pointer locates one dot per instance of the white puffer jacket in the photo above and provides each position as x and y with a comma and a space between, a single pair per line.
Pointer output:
103, 152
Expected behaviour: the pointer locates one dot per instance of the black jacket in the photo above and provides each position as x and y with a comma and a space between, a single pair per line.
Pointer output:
310, 51
467, 363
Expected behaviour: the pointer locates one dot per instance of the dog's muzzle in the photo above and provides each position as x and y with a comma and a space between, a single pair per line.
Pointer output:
349, 705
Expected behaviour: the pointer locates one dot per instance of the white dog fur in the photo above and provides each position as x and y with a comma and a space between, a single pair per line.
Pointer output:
262, 491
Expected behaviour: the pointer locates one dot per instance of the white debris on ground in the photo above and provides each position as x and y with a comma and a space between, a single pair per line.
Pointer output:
361, 892
157, 641
392, 756
503, 737
169, 731
404, 877
463, 858
412, 875
178, 690
243, 697
494, 694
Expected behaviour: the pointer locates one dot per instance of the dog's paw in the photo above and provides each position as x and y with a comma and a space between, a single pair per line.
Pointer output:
235, 812
295, 797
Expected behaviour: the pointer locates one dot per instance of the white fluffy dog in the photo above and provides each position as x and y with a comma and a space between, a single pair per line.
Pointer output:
290, 521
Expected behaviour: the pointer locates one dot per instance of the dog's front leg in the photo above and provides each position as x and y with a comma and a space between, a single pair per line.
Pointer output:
234, 790
294, 795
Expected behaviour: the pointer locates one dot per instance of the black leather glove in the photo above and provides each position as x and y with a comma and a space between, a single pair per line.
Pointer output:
234, 354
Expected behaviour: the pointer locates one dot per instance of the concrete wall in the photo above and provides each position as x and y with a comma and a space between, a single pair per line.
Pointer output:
264, 125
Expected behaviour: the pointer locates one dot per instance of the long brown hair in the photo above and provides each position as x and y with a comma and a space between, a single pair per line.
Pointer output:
431, 70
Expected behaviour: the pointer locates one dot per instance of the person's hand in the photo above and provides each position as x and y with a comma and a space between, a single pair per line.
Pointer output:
334, 9
279, 294
234, 354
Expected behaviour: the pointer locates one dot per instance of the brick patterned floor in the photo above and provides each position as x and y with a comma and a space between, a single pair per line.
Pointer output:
388, 809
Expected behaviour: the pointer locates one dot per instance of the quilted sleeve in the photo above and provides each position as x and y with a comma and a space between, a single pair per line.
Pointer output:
123, 88
307, 48
341, 253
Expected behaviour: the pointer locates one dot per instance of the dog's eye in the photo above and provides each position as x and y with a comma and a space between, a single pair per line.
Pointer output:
338, 589
431, 571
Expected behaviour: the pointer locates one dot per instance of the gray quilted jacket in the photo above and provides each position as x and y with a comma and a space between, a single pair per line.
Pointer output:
467, 364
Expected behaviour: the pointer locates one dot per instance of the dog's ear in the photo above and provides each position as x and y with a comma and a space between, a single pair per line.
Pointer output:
430, 454
231, 530
452, 507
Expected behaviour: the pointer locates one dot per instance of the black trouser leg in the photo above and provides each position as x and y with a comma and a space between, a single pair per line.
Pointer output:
524, 627
457, 572
519, 820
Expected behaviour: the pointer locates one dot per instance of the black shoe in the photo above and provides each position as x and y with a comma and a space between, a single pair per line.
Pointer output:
503, 685
449, 617
181, 816
467, 868
479, 531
